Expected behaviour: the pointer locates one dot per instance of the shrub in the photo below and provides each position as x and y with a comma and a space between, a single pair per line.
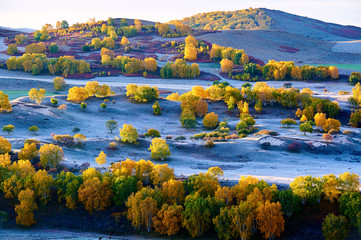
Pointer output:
199, 136
266, 132
12, 49
64, 139
209, 144
156, 108
128, 134
180, 138
355, 77
210, 120
331, 124
188, 120
54, 101
34, 129
85, 48
83, 106
76, 129
335, 228
294, 147
159, 149
79, 138
103, 106
53, 48
288, 122
153, 133
327, 136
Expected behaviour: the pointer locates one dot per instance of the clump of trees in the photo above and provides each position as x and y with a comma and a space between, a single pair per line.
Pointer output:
38, 63
80, 94
180, 69
142, 93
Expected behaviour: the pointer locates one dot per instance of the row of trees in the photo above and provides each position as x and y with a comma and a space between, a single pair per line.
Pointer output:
80, 94
39, 63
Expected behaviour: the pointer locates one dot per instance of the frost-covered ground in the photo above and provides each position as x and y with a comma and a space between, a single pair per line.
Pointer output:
240, 157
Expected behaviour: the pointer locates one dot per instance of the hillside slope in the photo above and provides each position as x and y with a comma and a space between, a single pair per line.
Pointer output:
266, 19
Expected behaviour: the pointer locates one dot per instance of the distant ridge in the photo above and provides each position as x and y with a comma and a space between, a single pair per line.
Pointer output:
267, 19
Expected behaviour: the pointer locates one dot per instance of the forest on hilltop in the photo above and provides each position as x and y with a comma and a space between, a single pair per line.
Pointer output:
247, 19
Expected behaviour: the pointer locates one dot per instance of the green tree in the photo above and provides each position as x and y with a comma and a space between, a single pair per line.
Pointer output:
9, 128
34, 129
12, 49
306, 127
156, 108
335, 228
111, 125
128, 134
290, 202
159, 148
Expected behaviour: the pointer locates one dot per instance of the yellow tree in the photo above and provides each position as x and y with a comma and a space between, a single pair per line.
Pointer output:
244, 59
320, 119
143, 170
168, 219
101, 159
29, 151
349, 181
190, 52
331, 187
5, 160
270, 219
5, 145
150, 64
201, 108
148, 209
173, 192
4, 102
59, 83
226, 65
226, 194
24, 210
138, 24
95, 194
124, 41
159, 149
37, 95
210, 120
128, 134
51, 155
190, 40
161, 174
77, 94
42, 184
124, 168
242, 220
331, 124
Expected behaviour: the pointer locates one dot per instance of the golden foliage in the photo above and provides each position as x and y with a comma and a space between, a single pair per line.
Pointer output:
5, 145
50, 155
226, 65
101, 159
210, 120
331, 124
173, 192
270, 219
59, 83
161, 174
128, 134
4, 102
24, 210
168, 219
37, 95
29, 151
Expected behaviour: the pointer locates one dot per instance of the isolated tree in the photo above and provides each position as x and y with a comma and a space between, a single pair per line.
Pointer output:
128, 134
29, 151
25, 210
168, 219
33, 129
124, 41
59, 83
210, 120
138, 24
306, 127
5, 145
12, 49
79, 138
8, 128
101, 159
37, 95
51, 155
111, 125
335, 228
226, 65
156, 108
103, 106
4, 102
159, 149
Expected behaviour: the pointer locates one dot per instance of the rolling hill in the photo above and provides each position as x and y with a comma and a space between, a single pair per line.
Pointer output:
266, 19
